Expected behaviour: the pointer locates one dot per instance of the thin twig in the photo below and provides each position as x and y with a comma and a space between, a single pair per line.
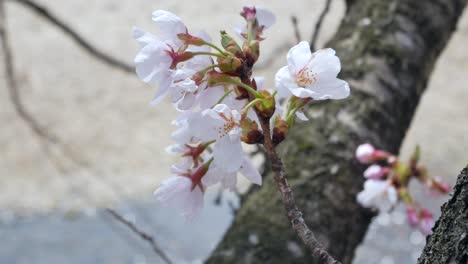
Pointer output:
100, 55
287, 196
295, 25
143, 235
12, 85
318, 25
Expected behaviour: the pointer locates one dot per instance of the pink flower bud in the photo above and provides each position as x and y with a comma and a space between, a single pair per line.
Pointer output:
249, 13
442, 186
426, 221
376, 172
412, 216
364, 153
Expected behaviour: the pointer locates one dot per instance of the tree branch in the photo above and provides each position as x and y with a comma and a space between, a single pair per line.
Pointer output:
318, 25
93, 51
296, 29
319, 253
143, 235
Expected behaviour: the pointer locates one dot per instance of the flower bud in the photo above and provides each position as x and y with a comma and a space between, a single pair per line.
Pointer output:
280, 130
249, 13
412, 216
266, 106
230, 65
230, 44
438, 185
376, 172
252, 52
364, 153
251, 134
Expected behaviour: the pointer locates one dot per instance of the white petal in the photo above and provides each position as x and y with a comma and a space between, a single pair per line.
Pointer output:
333, 89
187, 101
303, 92
230, 181
284, 82
151, 61
194, 204
169, 25
250, 172
143, 37
265, 17
212, 176
298, 57
169, 190
210, 96
325, 63
164, 86
228, 154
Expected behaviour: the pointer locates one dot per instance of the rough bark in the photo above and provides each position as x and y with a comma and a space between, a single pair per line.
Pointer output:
388, 63
449, 242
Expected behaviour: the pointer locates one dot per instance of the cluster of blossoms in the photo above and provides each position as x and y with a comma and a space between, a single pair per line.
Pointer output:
221, 105
387, 183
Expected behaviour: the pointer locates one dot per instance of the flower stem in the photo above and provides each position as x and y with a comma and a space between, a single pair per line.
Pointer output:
208, 53
249, 105
215, 47
247, 87
222, 98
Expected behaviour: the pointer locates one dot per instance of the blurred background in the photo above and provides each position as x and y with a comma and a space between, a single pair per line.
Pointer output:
100, 143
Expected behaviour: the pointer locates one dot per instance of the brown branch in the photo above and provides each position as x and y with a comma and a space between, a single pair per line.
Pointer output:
12, 85
100, 55
318, 25
297, 33
143, 235
294, 214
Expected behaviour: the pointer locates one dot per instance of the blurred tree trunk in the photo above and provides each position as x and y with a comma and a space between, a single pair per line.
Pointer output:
388, 50
449, 242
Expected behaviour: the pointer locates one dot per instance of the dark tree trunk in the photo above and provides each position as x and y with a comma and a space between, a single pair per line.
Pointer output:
449, 242
388, 49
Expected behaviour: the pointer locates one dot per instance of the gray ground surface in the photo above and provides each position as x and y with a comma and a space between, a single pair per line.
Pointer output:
114, 140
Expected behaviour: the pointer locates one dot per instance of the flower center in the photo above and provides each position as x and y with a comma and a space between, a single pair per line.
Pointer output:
306, 77
227, 126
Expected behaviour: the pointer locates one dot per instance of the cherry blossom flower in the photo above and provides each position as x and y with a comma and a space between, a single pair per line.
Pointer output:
378, 194
180, 192
311, 75
376, 172
221, 124
164, 59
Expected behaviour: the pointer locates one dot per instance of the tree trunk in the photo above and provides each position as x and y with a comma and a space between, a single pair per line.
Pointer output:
388, 49
449, 242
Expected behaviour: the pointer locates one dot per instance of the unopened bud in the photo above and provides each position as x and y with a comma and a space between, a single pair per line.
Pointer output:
191, 40
412, 216
266, 106
249, 13
230, 44
280, 131
230, 65
252, 52
376, 172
